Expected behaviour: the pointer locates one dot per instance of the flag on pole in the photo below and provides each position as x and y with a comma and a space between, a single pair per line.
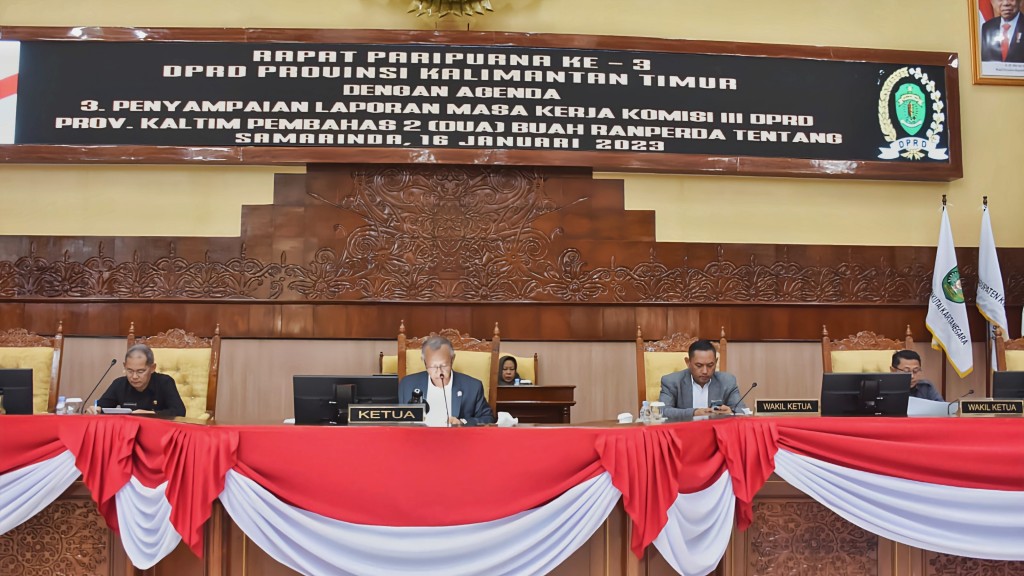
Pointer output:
947, 313
986, 10
991, 298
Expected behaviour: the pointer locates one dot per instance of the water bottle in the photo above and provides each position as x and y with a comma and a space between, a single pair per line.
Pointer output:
61, 402
645, 413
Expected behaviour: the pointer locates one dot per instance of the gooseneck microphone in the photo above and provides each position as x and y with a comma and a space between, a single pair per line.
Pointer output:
417, 398
962, 396
740, 401
85, 405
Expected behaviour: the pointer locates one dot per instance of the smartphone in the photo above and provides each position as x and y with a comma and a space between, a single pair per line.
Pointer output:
714, 404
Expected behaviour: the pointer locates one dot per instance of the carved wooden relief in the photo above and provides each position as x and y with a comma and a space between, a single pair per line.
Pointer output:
68, 538
463, 234
866, 340
947, 565
807, 539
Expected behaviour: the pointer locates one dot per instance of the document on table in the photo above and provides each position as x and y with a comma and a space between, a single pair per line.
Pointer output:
922, 407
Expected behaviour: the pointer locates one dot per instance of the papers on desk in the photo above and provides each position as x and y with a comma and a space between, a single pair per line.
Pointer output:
922, 407
117, 410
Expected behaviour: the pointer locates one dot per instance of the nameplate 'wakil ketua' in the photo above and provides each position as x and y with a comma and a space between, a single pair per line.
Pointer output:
786, 407
386, 414
992, 407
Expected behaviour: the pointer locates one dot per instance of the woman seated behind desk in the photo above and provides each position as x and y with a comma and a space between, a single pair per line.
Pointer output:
508, 374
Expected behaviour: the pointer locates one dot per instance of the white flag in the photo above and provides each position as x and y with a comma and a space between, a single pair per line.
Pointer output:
947, 313
991, 298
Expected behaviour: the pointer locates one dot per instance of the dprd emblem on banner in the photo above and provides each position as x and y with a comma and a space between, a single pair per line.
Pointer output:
10, 58
917, 102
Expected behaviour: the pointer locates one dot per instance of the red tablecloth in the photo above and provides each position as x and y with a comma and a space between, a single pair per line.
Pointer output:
380, 475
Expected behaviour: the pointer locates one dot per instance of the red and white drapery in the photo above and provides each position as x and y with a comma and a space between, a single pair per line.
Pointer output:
513, 501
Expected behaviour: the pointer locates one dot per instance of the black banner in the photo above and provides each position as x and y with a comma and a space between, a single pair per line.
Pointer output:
478, 97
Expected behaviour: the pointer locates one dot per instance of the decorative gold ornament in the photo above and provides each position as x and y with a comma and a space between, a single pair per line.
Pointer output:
442, 8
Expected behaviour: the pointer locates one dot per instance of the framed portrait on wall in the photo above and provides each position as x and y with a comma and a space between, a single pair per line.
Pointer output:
997, 41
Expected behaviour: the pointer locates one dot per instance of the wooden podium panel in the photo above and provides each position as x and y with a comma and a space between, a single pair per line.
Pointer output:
537, 404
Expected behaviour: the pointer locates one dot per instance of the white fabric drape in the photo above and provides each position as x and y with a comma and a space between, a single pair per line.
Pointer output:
26, 491
144, 517
531, 542
968, 522
698, 529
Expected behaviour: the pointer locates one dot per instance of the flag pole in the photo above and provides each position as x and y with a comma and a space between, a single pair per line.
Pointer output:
990, 345
942, 351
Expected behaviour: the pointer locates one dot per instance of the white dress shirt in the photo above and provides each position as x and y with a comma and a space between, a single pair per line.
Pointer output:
700, 394
440, 401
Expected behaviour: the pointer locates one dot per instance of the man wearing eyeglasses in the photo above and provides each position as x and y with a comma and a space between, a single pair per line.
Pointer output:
142, 388
909, 362
453, 398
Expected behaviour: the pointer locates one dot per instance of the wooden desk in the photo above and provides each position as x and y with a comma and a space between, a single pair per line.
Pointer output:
537, 404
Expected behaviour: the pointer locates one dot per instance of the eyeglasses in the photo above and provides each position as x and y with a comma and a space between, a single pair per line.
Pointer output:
139, 373
438, 367
914, 371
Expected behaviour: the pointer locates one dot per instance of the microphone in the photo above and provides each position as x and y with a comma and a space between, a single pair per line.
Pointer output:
85, 405
740, 401
417, 398
447, 422
962, 396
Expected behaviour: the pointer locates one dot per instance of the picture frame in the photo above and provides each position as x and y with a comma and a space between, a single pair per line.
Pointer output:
997, 55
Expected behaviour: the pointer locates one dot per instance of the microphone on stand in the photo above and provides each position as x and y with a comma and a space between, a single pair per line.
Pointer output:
740, 401
417, 398
85, 405
962, 396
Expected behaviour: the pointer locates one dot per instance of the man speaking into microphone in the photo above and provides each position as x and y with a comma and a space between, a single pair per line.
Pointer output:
700, 390
142, 388
455, 399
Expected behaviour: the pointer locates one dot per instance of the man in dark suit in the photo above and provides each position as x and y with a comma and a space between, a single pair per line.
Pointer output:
1002, 37
700, 390
142, 388
454, 399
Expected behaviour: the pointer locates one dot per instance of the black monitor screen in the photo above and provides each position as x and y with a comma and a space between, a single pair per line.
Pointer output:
1008, 385
325, 399
16, 387
865, 394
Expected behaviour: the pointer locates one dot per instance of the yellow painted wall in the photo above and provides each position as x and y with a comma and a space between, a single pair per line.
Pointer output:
205, 200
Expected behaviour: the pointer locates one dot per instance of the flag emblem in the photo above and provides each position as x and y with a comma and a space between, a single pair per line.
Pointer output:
952, 287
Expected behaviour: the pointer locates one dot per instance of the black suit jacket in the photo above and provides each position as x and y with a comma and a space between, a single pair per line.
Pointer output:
468, 400
991, 38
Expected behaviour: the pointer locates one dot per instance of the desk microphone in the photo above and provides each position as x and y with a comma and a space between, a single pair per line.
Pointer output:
417, 398
950, 405
85, 404
740, 401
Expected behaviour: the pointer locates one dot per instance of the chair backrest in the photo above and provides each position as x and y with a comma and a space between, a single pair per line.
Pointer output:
862, 352
1009, 354
20, 348
476, 358
662, 357
526, 367
193, 362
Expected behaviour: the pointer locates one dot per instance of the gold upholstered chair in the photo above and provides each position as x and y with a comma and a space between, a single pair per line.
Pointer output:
20, 348
526, 366
192, 361
662, 357
1009, 354
863, 352
476, 358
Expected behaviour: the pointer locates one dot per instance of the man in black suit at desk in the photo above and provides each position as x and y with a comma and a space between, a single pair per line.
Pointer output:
142, 388
454, 399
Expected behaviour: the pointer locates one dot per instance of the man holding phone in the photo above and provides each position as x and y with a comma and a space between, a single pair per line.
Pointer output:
700, 390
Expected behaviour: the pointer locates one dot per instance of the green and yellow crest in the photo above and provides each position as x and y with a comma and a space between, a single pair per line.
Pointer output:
952, 287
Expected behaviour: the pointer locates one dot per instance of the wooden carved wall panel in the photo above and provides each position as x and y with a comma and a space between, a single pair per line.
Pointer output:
947, 565
807, 539
464, 234
68, 538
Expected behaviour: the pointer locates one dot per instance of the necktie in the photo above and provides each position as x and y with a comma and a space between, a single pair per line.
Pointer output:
1004, 42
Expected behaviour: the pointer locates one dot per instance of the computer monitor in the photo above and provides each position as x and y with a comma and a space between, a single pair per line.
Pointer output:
16, 387
1008, 385
865, 394
325, 399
